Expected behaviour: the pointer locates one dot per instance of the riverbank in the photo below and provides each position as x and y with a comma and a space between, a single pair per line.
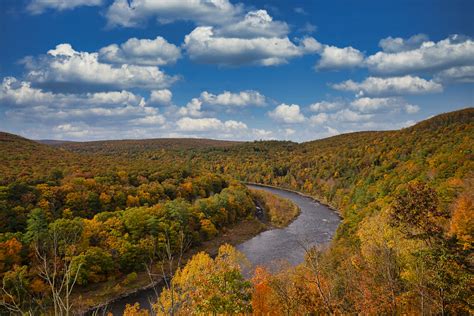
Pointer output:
279, 212
100, 295
331, 207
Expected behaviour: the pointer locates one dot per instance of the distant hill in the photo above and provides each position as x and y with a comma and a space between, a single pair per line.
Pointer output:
53, 142
22, 158
348, 153
142, 145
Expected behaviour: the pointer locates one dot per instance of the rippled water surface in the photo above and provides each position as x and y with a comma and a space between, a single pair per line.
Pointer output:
316, 224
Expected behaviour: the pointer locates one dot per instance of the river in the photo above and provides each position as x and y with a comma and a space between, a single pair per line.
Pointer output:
315, 225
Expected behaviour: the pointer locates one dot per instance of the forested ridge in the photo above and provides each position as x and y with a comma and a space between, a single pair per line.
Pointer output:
404, 245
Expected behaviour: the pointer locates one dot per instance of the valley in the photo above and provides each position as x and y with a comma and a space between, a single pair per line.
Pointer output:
97, 215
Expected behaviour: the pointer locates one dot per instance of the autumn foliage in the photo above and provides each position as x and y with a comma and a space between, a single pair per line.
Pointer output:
404, 245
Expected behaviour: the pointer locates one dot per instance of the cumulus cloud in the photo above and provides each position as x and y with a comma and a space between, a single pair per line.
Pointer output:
40, 6
325, 106
239, 99
147, 52
375, 86
319, 118
288, 114
203, 45
262, 133
411, 109
371, 105
71, 130
80, 130
188, 124
29, 103
193, 108
347, 115
337, 58
108, 115
134, 13
398, 44
66, 66
162, 96
430, 56
463, 74
255, 24
156, 119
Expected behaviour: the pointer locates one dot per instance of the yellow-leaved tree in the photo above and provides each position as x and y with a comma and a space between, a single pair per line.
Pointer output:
208, 286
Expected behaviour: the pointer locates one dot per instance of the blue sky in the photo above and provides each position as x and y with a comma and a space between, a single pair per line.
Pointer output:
298, 70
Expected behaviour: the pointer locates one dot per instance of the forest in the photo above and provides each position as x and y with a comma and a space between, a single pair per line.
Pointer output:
77, 215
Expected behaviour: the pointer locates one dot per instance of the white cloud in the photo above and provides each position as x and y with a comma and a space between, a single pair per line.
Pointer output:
149, 120
262, 133
319, 118
234, 125
325, 106
147, 52
134, 13
331, 131
336, 58
64, 65
398, 44
102, 108
453, 51
255, 24
287, 114
205, 46
376, 86
310, 45
40, 6
411, 109
456, 74
347, 115
289, 131
71, 130
162, 96
240, 99
79, 130
21, 93
371, 105
380, 125
193, 108
188, 124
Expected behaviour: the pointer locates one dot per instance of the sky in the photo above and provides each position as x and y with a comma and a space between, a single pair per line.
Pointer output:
239, 70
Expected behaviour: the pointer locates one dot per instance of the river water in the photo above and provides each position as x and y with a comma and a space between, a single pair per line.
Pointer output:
315, 225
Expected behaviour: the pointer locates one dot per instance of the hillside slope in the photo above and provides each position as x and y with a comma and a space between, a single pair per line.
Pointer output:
24, 158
